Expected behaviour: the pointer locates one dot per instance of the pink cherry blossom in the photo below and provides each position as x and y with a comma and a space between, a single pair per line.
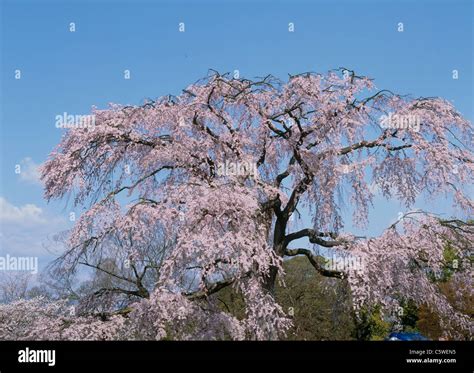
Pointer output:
316, 141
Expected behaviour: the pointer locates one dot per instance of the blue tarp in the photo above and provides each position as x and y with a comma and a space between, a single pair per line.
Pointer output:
406, 337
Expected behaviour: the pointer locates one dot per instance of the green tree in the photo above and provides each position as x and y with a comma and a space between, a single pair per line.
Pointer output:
320, 306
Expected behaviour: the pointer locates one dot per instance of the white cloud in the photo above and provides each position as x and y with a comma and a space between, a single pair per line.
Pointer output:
26, 214
28, 230
29, 171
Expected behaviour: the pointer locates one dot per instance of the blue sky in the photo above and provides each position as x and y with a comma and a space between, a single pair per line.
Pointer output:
63, 71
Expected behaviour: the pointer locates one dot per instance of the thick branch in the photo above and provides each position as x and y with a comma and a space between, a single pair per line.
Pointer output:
314, 237
214, 288
313, 259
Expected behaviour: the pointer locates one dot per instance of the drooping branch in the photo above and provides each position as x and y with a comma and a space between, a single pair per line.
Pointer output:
372, 144
214, 288
313, 259
315, 237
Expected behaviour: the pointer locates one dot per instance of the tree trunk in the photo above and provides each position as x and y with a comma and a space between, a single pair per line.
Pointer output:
269, 281
279, 249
